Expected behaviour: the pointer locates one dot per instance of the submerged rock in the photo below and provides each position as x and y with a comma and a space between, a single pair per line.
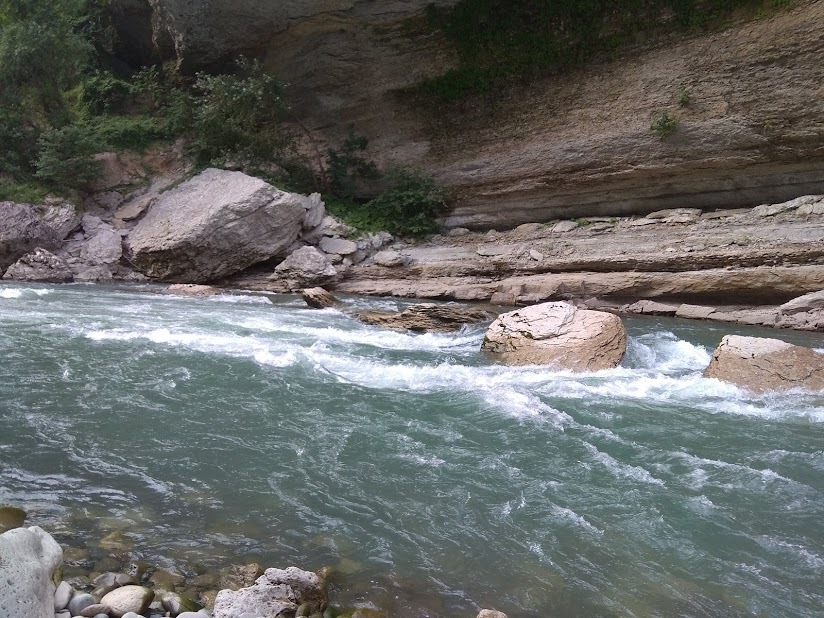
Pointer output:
40, 265
491, 613
426, 317
761, 365
214, 225
558, 334
279, 592
190, 289
28, 560
11, 517
318, 298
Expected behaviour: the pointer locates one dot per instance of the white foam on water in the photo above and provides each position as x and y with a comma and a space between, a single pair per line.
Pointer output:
239, 299
377, 338
666, 353
807, 557
622, 470
11, 293
575, 518
700, 475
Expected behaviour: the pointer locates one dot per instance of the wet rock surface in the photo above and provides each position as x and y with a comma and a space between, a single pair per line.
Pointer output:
761, 365
558, 334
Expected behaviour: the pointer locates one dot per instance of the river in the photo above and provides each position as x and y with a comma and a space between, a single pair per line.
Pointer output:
436, 482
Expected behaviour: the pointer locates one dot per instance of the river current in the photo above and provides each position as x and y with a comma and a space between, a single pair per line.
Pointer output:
237, 428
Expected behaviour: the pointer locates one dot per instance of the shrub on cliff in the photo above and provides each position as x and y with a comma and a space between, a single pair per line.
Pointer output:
66, 158
241, 117
409, 206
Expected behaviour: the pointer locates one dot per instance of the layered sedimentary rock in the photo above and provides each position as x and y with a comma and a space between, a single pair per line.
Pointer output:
573, 145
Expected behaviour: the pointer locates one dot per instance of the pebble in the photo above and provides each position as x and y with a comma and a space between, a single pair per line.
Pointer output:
95, 610
62, 596
62, 615
80, 602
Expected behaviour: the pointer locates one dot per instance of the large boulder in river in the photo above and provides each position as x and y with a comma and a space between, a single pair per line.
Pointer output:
28, 560
214, 225
22, 230
40, 265
558, 334
275, 594
762, 365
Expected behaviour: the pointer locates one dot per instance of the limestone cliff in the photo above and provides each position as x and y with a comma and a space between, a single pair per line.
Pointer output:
569, 146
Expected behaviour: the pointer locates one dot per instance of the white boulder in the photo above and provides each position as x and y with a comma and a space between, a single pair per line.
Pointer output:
760, 365
28, 560
558, 334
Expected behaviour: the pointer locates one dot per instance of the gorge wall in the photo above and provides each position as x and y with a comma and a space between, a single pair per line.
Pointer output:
569, 146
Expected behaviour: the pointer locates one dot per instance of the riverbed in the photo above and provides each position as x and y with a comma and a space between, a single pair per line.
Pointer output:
248, 427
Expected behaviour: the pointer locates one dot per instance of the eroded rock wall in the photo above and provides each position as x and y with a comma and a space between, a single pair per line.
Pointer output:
575, 145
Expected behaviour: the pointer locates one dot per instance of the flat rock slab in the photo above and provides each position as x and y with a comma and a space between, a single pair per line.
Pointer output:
426, 317
762, 365
558, 334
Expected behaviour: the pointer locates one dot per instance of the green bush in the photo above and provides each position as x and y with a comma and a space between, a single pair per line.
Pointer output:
683, 97
241, 117
664, 124
346, 167
409, 206
66, 158
29, 192
126, 132
103, 93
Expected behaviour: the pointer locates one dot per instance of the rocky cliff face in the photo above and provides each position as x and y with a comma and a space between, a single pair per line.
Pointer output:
571, 146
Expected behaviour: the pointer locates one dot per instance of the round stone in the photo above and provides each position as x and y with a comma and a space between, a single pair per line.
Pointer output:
128, 599
80, 602
62, 596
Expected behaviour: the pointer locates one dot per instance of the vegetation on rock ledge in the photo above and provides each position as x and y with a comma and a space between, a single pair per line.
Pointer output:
497, 41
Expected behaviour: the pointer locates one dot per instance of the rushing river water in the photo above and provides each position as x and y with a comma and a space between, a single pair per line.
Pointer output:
220, 430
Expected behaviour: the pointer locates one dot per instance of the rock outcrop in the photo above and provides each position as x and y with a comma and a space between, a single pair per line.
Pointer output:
40, 265
305, 267
803, 313
28, 559
426, 317
22, 230
558, 334
573, 145
215, 225
762, 365
277, 593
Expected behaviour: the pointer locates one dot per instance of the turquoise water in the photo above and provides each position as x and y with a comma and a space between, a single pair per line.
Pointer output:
220, 430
